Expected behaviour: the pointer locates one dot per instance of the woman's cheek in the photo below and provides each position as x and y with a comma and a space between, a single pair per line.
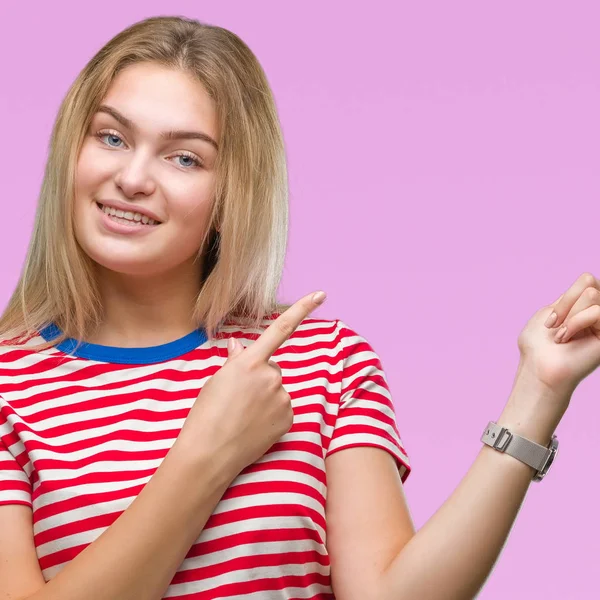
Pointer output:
195, 211
192, 202
89, 167
96, 164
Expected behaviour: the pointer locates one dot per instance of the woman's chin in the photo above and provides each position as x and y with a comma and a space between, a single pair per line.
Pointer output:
128, 266
144, 260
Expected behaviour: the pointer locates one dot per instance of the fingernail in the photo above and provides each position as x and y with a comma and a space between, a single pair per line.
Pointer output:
551, 320
319, 297
231, 344
560, 334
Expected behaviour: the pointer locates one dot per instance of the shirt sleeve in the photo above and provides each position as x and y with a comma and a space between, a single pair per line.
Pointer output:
366, 414
15, 485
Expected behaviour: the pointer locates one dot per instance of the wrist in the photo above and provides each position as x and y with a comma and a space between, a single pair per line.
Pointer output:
201, 458
533, 410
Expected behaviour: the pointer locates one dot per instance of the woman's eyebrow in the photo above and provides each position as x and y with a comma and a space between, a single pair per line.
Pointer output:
177, 134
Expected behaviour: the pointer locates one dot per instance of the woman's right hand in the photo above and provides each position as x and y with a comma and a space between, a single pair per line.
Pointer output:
243, 409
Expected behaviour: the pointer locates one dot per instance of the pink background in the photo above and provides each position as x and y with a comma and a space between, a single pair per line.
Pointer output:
444, 186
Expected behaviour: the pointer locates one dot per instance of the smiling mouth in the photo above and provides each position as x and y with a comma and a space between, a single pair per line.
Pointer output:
126, 217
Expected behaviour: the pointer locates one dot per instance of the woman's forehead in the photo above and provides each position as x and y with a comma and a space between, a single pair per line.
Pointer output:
152, 97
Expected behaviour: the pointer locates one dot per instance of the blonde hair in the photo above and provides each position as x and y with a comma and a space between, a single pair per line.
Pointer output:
242, 261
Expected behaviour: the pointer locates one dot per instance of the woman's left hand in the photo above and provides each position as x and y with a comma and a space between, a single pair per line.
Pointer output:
560, 363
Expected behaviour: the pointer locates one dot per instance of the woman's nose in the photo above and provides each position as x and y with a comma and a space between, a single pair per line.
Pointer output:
135, 177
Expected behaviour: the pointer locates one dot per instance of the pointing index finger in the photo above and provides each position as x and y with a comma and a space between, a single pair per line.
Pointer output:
285, 324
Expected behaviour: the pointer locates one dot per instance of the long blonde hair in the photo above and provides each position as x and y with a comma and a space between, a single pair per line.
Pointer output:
244, 245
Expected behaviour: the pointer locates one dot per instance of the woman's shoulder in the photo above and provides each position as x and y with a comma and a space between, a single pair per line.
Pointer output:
313, 333
14, 347
309, 326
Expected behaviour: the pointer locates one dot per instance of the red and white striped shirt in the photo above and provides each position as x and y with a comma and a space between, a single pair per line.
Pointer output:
82, 431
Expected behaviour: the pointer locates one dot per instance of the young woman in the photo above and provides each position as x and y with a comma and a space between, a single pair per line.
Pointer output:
167, 429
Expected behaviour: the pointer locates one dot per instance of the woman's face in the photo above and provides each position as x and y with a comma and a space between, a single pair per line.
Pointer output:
149, 153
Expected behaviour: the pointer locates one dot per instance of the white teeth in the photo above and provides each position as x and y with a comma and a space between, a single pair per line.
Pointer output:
128, 215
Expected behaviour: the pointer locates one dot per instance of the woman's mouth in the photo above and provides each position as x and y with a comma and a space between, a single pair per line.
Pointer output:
126, 217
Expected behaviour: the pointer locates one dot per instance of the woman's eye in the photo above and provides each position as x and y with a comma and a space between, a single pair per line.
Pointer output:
187, 161
112, 139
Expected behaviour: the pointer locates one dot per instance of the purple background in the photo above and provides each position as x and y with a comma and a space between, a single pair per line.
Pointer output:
444, 186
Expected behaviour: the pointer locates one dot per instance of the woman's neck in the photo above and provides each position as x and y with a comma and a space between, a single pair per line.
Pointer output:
146, 311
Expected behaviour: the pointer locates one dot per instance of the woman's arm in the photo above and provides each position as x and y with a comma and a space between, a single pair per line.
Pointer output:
374, 551
242, 410
138, 555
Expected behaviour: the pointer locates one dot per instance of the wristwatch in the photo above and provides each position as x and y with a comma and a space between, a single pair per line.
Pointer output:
532, 454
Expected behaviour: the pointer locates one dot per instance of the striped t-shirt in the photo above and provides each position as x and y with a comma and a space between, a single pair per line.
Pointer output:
83, 430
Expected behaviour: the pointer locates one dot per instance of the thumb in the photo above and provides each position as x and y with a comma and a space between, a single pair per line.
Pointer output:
233, 348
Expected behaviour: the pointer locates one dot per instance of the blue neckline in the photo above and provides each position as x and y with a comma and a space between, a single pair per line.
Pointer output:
126, 356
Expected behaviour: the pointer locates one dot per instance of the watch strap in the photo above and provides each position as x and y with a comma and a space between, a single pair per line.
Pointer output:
503, 440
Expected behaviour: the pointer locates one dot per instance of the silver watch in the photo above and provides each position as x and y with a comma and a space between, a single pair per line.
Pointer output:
532, 454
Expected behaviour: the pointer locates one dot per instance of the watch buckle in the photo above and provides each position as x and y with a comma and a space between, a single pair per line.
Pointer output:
502, 445
553, 451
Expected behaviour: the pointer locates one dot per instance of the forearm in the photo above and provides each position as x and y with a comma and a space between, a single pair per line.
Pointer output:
451, 556
138, 555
